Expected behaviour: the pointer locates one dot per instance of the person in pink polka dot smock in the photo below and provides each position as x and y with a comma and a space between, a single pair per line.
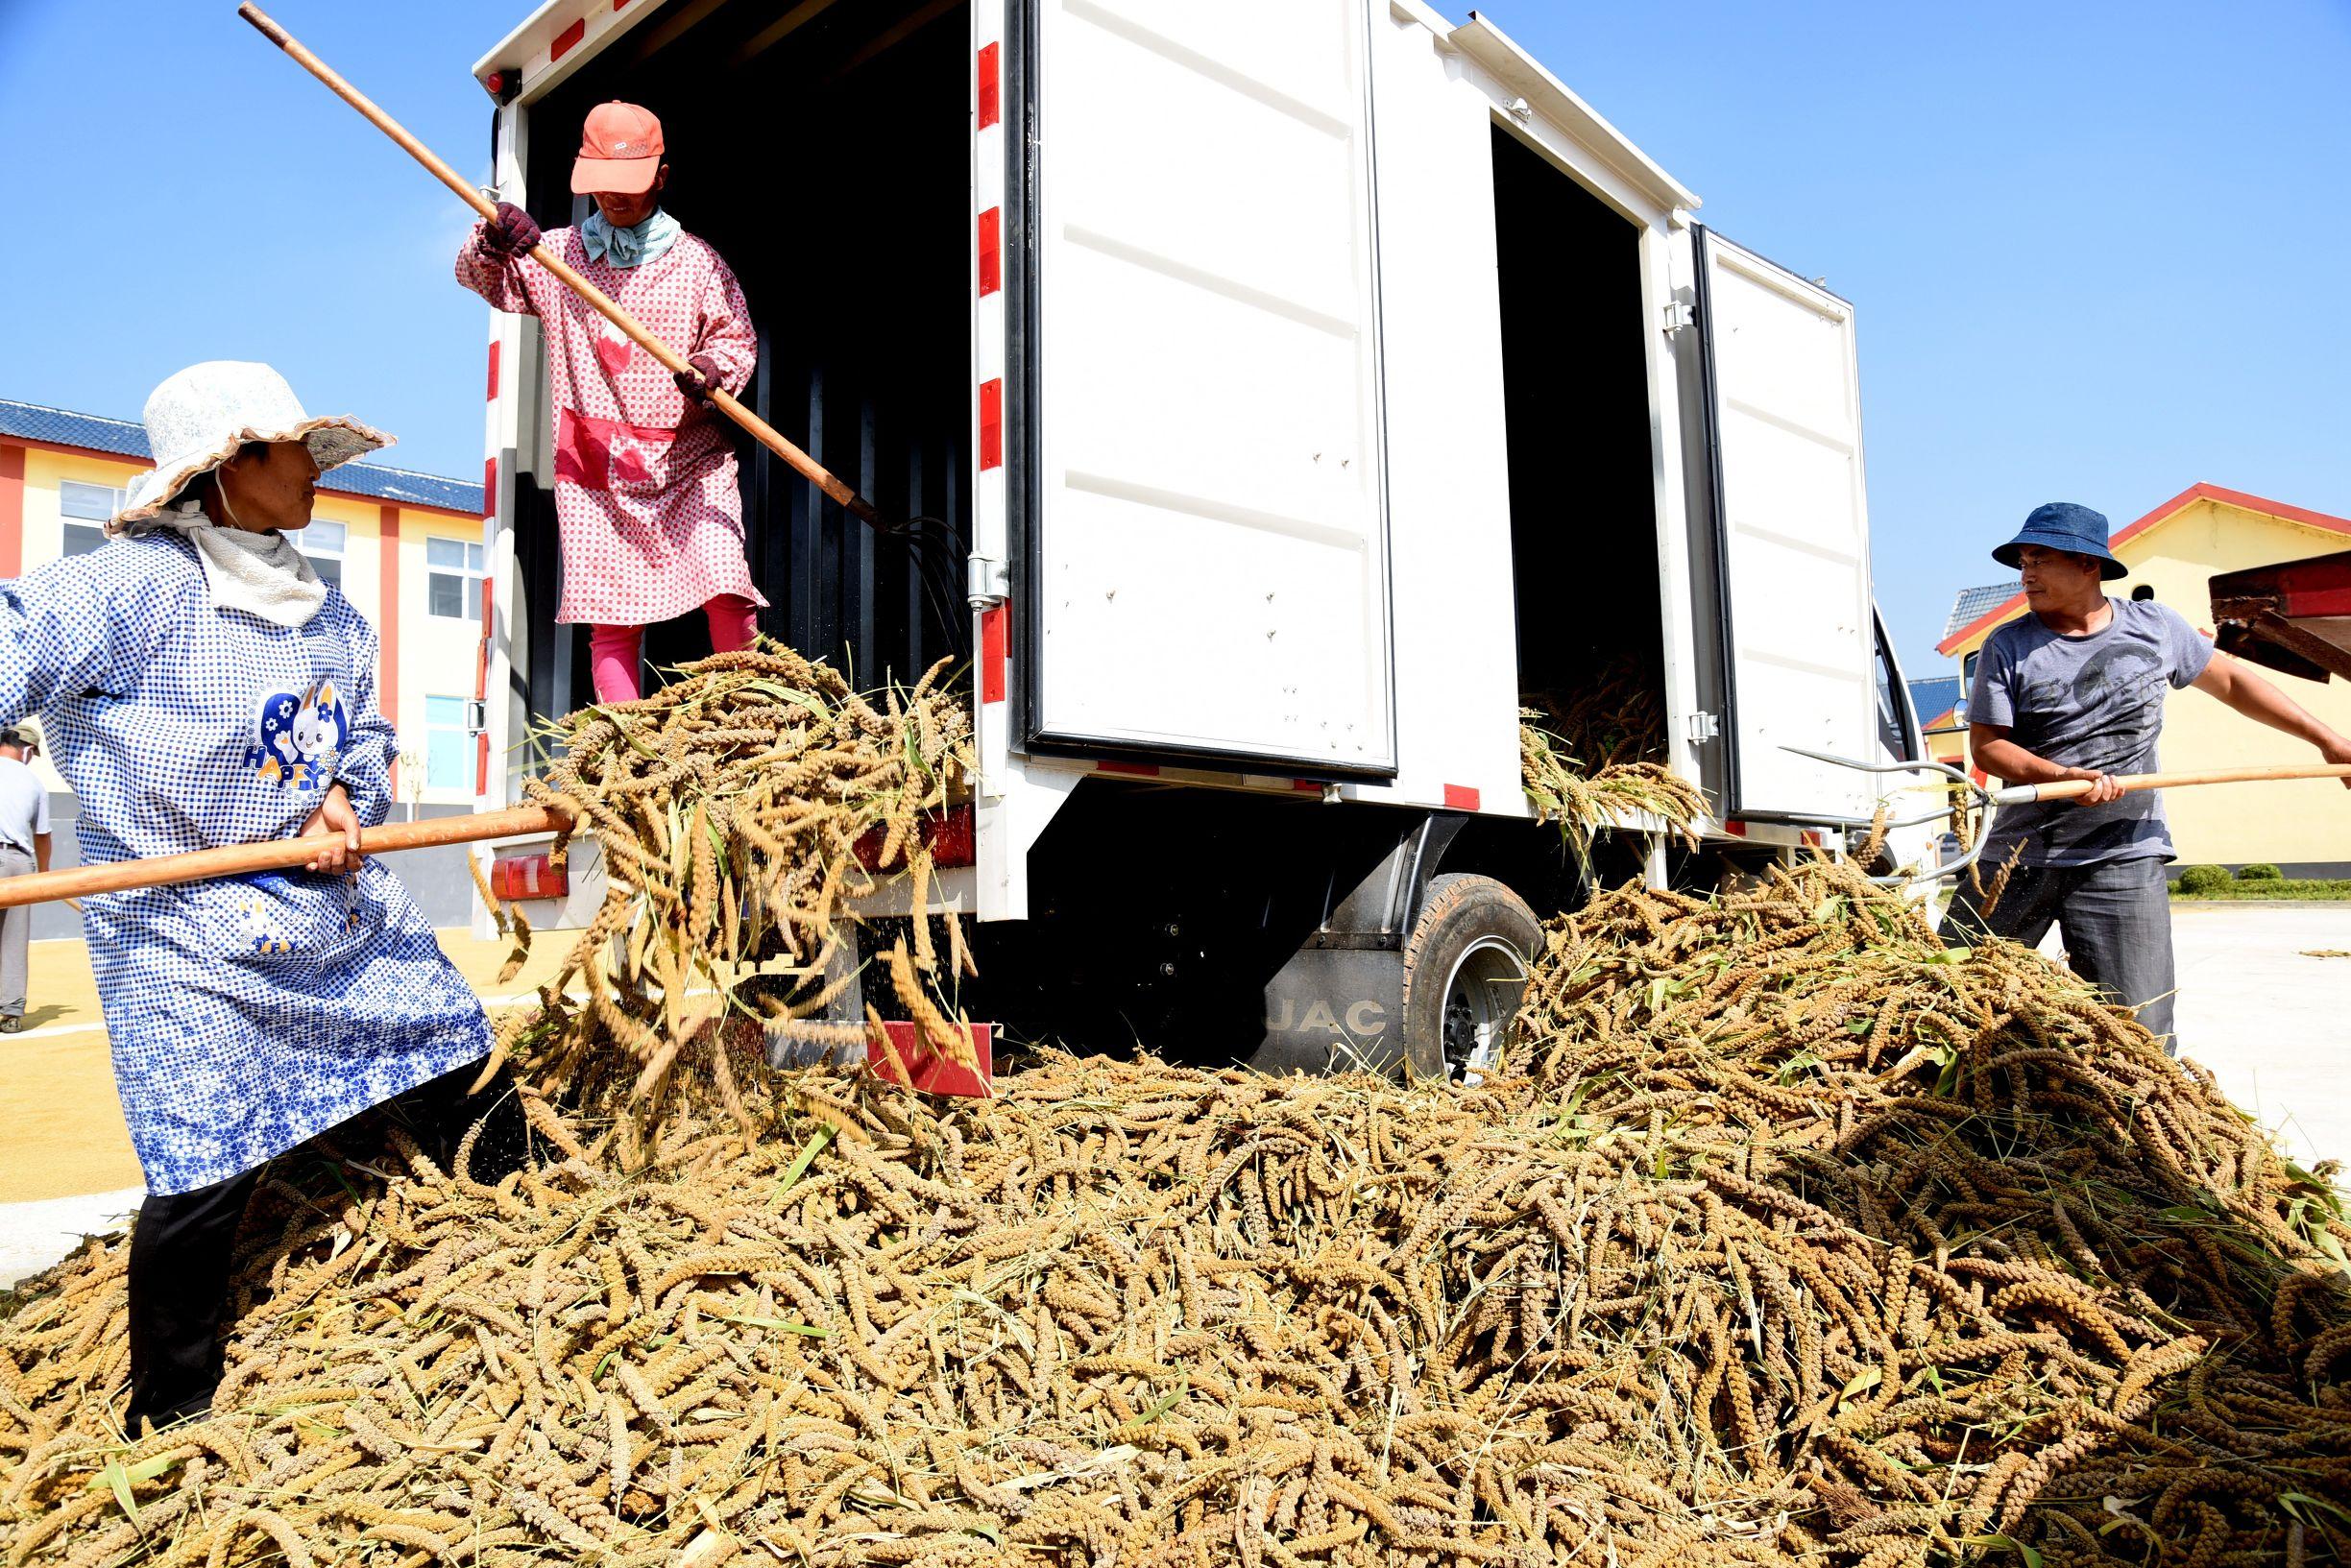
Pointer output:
645, 491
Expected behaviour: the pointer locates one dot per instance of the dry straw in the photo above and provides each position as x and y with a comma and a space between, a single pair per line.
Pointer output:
1592, 760
740, 810
1787, 1237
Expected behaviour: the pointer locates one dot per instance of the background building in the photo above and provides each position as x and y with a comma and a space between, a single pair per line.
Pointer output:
2172, 554
406, 550
1936, 699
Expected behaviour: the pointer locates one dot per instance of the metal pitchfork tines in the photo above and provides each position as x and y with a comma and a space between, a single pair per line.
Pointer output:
2059, 790
1989, 799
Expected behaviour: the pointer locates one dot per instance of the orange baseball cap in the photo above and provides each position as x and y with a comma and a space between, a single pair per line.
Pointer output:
621, 150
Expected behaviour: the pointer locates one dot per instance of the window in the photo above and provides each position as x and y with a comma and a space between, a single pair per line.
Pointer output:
448, 750
323, 542
453, 588
1895, 723
93, 505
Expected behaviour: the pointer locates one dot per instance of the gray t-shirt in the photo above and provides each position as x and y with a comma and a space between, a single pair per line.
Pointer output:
2093, 702
24, 805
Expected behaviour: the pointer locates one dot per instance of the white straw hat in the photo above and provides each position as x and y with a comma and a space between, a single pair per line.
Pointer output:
197, 419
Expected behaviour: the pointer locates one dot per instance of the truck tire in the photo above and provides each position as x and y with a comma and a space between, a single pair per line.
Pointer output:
1465, 969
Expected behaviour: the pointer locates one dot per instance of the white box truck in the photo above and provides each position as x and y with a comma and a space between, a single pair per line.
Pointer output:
1296, 385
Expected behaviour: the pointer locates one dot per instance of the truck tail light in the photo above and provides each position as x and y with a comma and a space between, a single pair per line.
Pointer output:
521, 877
932, 1073
951, 835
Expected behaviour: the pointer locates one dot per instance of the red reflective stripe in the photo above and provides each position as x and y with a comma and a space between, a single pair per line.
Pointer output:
1736, 829
995, 632
1460, 798
481, 763
493, 359
488, 506
1307, 786
988, 113
918, 1066
991, 250
991, 424
1140, 770
565, 40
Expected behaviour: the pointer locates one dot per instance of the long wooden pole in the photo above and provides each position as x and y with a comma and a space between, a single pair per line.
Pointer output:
274, 854
766, 434
2069, 788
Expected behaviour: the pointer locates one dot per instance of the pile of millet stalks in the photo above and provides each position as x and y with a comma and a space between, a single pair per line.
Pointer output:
1785, 1236
744, 811
1594, 760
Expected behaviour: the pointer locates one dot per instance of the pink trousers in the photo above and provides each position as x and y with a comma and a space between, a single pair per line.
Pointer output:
615, 653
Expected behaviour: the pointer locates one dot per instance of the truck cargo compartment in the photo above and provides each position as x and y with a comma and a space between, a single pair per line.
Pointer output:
824, 152
1583, 500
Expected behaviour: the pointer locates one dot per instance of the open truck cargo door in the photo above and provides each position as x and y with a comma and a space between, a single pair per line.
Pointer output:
1194, 437
1783, 411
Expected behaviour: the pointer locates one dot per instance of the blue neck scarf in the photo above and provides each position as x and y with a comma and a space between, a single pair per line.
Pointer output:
632, 247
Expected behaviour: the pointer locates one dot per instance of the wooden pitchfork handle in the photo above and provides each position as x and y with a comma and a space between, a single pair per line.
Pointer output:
2068, 788
766, 434
275, 855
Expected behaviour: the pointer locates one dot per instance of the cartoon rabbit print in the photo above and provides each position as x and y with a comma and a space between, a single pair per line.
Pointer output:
317, 728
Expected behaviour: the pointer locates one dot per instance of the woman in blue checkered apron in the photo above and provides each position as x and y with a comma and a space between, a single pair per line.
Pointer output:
203, 686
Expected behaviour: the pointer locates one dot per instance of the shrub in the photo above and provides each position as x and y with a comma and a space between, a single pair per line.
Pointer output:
2203, 878
2260, 871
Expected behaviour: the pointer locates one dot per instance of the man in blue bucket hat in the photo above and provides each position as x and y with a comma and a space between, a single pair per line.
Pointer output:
2074, 689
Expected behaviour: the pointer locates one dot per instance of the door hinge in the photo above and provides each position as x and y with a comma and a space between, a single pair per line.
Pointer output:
986, 580
1677, 315
1704, 727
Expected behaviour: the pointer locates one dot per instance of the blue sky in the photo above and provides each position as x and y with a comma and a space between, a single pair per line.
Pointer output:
2097, 249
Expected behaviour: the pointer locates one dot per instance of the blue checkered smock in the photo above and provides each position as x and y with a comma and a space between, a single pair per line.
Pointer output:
246, 1014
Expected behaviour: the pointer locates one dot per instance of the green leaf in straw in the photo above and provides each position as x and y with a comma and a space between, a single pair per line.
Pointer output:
801, 1162
787, 1327
2294, 1502
119, 1480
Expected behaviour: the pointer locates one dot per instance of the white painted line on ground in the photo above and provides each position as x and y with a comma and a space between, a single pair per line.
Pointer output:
48, 1030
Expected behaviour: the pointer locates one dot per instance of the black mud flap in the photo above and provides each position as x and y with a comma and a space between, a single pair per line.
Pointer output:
1337, 1004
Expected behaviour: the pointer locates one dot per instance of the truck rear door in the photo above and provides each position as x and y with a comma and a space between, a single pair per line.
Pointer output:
1192, 379
1791, 534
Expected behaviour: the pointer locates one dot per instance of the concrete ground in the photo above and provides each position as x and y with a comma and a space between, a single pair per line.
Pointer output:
2265, 1002
2261, 1002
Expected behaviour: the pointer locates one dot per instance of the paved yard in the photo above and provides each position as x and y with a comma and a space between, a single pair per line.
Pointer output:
2272, 1022
2269, 1018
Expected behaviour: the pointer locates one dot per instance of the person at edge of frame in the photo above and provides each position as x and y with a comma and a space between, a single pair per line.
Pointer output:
24, 849
202, 686
2074, 689
646, 499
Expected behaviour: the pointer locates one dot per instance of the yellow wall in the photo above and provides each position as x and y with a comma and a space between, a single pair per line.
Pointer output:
2307, 822
437, 655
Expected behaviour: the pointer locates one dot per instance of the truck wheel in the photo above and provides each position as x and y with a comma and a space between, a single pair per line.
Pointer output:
1464, 971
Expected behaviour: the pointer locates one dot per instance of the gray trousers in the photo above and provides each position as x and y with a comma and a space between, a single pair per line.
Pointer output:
15, 931
2116, 919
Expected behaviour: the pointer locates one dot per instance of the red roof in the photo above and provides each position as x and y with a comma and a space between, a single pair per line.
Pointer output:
2323, 520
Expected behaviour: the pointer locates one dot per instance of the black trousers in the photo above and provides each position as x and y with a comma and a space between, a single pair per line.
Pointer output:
181, 1247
